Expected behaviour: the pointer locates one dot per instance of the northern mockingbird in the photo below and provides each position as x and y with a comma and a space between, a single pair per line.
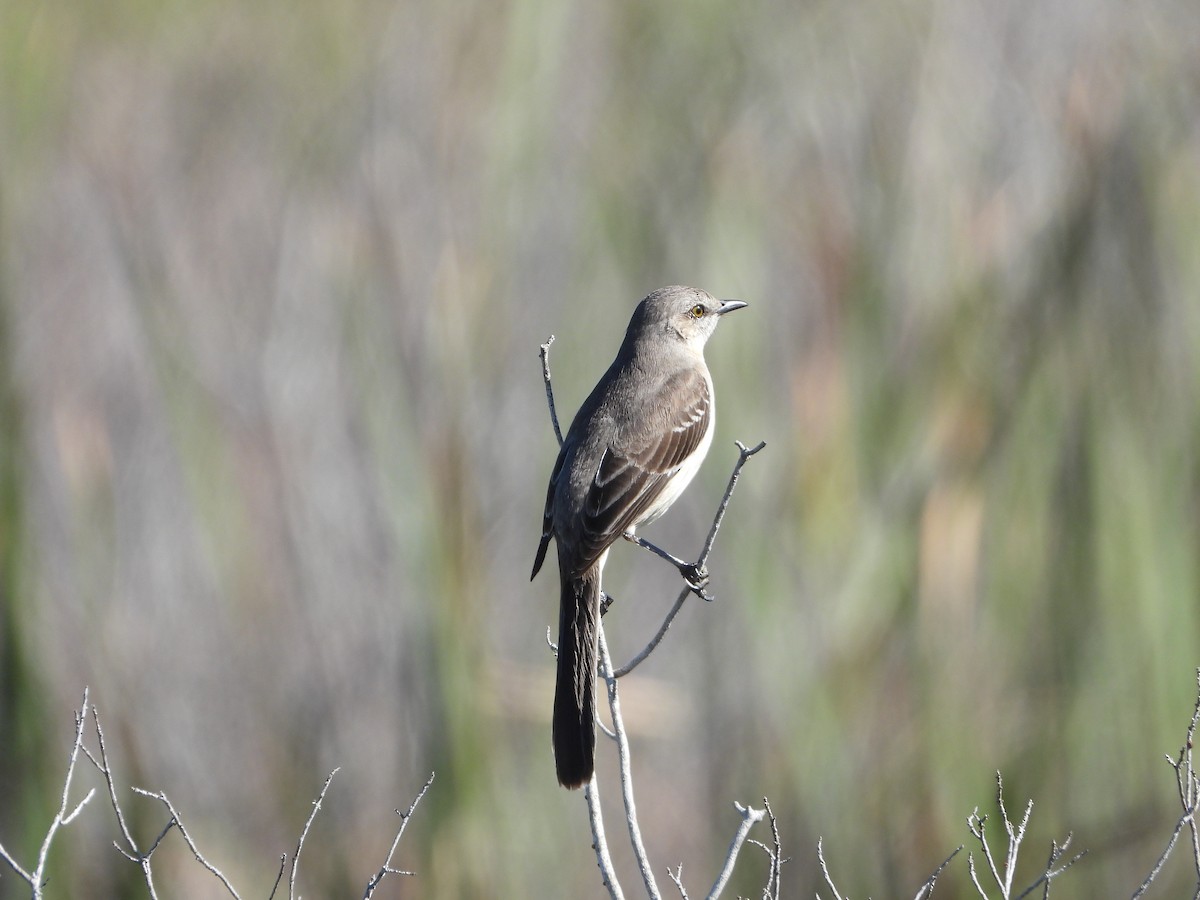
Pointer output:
633, 447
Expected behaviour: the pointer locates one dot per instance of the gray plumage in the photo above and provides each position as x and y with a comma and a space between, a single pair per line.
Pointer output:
635, 444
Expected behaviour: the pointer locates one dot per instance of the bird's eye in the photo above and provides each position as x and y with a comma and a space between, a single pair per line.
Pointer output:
697, 311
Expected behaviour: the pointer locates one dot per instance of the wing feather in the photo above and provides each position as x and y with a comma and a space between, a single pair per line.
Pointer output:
637, 465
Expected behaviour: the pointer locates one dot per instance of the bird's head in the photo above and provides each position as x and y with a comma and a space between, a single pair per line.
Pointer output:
684, 313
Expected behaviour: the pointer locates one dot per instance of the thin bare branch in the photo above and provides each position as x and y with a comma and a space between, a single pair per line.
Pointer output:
926, 889
623, 755
545, 355
825, 871
1057, 851
105, 769
744, 454
777, 860
1188, 785
36, 879
386, 868
1016, 835
16, 866
133, 854
677, 877
162, 798
278, 876
657, 639
975, 876
750, 816
608, 874
304, 834
977, 823
700, 564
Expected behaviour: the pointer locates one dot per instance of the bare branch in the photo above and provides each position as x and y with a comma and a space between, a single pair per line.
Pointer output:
133, 854
677, 877
977, 823
103, 767
16, 866
657, 639
975, 876
744, 454
36, 878
1188, 784
162, 798
749, 817
1057, 851
278, 876
700, 564
614, 705
608, 874
386, 869
1016, 834
926, 890
825, 871
777, 860
304, 834
545, 355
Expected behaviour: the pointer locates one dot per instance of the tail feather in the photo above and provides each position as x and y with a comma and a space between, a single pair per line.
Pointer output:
574, 729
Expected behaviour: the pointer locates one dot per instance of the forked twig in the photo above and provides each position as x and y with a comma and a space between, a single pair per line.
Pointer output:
36, 879
750, 816
386, 869
175, 820
1187, 782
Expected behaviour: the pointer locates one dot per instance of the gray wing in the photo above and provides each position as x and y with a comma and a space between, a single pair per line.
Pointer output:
635, 468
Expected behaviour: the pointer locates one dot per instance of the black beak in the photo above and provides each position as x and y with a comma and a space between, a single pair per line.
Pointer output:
728, 306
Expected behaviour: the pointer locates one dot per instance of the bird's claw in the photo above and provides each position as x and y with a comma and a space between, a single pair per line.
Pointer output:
606, 600
695, 576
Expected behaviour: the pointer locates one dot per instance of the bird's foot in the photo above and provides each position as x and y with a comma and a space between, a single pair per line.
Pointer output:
696, 578
606, 600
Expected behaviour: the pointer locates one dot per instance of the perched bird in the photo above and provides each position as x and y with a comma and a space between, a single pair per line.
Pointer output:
633, 447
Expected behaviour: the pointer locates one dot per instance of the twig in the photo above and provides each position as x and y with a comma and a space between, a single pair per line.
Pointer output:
162, 798
608, 874
1016, 834
134, 855
278, 876
36, 878
1145, 885
657, 639
545, 355
750, 816
304, 834
387, 869
1057, 851
825, 871
743, 455
1188, 784
635, 834
677, 877
926, 889
774, 854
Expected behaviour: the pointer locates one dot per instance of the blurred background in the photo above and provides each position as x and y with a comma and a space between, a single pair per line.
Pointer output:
274, 441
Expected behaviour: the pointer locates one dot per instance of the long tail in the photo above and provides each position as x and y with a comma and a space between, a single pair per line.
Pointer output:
575, 692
